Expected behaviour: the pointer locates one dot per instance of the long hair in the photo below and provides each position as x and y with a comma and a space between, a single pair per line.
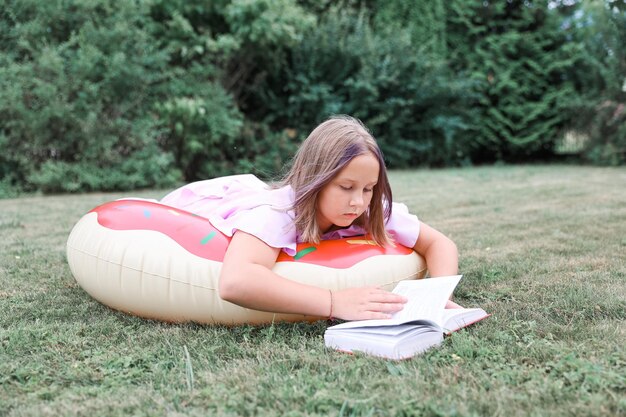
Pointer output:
325, 152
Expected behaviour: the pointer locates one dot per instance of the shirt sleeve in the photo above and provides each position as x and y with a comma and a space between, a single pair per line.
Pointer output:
273, 226
403, 226
241, 202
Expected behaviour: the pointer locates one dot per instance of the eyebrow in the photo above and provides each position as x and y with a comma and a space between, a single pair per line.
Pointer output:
372, 183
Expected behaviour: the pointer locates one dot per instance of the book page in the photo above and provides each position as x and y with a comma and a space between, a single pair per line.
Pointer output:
427, 300
457, 318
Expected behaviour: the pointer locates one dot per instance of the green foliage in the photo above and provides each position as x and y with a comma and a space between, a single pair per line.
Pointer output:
267, 24
96, 94
518, 55
599, 110
75, 97
271, 150
202, 133
607, 132
413, 106
425, 21
144, 168
266, 31
220, 54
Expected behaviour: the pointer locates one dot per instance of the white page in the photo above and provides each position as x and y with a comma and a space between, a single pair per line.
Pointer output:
456, 318
427, 300
376, 331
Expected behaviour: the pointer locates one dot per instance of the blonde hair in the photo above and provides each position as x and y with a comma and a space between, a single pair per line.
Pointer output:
325, 152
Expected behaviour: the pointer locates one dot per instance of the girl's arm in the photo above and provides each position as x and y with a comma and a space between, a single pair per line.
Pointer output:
440, 252
247, 279
442, 257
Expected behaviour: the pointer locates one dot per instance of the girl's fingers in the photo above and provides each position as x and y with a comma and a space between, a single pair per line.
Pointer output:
383, 296
367, 303
385, 307
379, 316
382, 302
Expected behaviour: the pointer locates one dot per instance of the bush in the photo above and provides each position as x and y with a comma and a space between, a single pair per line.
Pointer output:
77, 84
518, 55
144, 168
107, 95
414, 106
599, 110
607, 132
202, 134
220, 53
270, 152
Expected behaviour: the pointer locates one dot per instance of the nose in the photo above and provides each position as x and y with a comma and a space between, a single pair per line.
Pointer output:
356, 199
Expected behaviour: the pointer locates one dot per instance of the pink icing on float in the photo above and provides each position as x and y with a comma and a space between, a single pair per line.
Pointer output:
163, 263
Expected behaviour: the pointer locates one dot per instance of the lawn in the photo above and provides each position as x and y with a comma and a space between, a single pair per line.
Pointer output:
543, 248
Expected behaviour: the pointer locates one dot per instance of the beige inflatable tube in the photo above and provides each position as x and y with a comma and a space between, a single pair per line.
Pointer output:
161, 263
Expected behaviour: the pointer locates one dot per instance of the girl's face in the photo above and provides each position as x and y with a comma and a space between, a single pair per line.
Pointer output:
348, 195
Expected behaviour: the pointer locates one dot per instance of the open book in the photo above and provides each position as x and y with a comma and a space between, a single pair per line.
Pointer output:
420, 325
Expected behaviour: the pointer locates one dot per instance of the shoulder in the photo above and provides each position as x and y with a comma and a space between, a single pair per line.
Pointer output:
247, 247
402, 225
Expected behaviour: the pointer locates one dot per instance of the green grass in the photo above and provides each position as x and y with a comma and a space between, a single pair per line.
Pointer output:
543, 248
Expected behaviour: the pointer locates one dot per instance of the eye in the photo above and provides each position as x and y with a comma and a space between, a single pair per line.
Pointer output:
368, 190
345, 188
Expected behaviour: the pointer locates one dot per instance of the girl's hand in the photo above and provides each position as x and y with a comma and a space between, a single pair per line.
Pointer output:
366, 303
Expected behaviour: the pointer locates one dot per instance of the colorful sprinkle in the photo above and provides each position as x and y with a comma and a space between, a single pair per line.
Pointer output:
175, 213
208, 237
304, 252
361, 242
147, 214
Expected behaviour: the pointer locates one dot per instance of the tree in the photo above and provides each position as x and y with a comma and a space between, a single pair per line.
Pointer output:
518, 56
76, 89
598, 29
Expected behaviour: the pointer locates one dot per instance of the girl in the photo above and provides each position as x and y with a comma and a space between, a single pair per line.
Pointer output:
337, 186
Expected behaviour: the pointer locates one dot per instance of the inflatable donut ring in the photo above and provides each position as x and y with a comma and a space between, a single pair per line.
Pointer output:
162, 263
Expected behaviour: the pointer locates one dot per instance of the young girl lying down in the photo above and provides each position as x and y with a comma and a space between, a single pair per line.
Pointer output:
337, 187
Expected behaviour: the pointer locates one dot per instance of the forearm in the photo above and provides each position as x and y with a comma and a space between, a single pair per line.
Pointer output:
271, 292
257, 287
442, 258
247, 279
438, 250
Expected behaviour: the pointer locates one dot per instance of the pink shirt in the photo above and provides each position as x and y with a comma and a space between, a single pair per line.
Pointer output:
243, 202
